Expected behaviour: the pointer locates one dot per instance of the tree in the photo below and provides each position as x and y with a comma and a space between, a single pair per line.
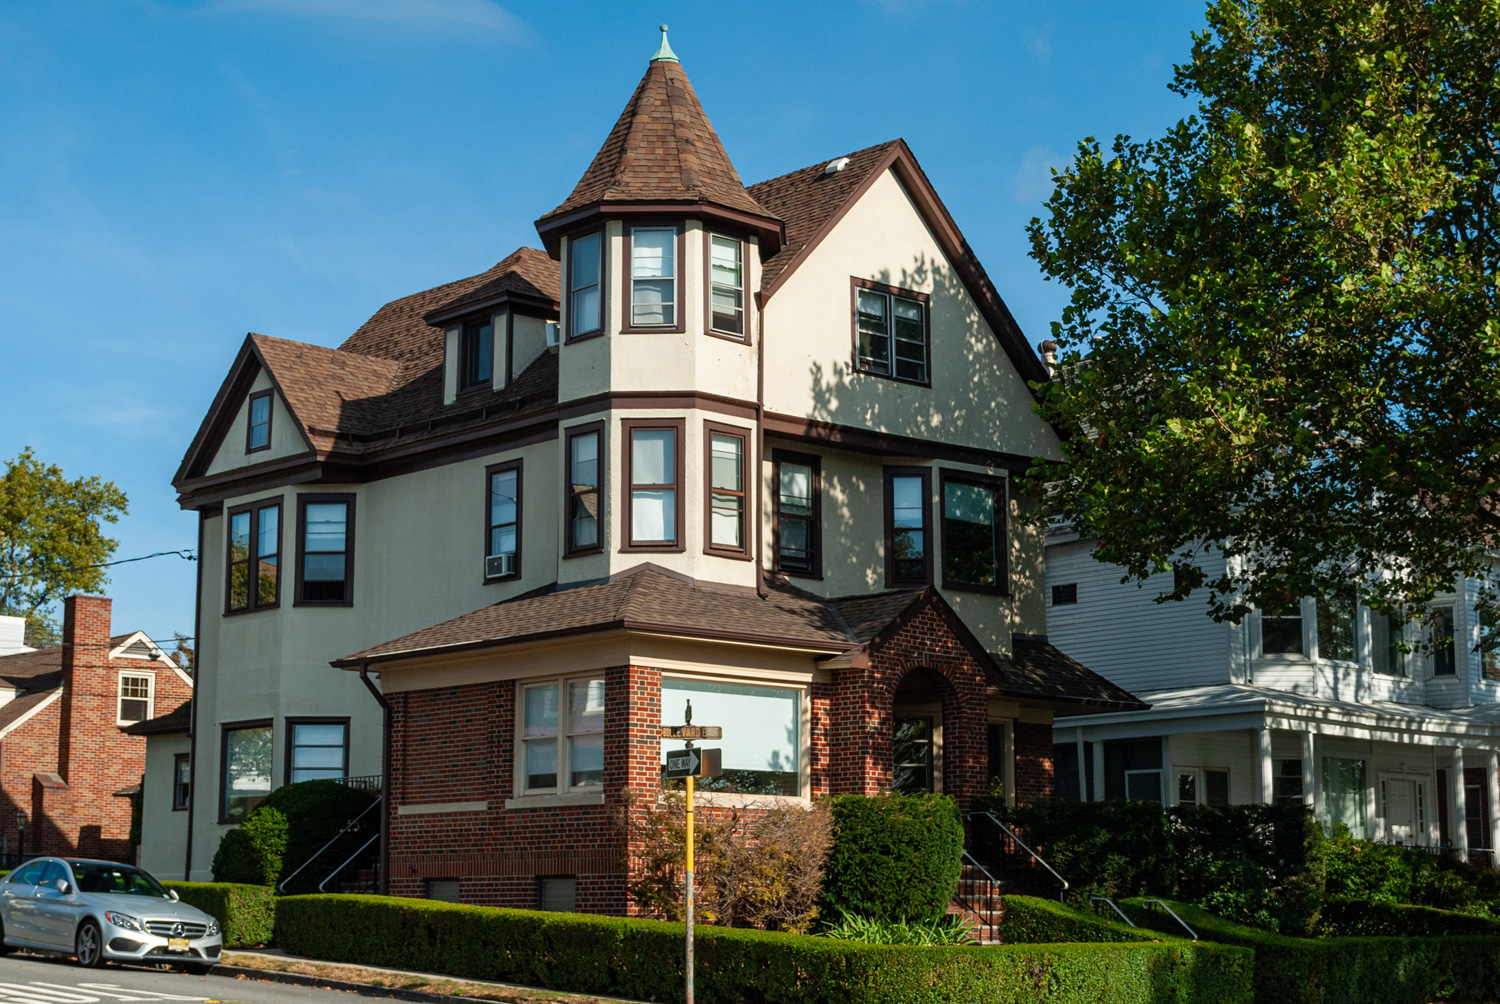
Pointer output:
1283, 339
185, 655
51, 539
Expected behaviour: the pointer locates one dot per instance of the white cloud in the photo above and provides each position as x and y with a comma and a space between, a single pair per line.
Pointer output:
1032, 181
466, 13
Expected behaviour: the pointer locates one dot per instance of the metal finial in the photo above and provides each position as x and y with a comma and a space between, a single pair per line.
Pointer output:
664, 53
687, 717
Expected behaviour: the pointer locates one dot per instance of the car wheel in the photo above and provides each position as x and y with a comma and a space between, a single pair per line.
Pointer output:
4, 948
89, 945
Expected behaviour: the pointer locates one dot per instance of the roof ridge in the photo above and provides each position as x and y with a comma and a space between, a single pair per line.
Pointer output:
824, 163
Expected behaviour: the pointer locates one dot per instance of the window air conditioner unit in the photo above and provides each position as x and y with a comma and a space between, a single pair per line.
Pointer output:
499, 565
552, 335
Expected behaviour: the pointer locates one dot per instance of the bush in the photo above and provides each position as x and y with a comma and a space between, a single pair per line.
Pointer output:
1383, 873
1343, 917
1026, 920
894, 857
642, 959
1113, 848
251, 853
951, 930
313, 813
246, 913
1258, 864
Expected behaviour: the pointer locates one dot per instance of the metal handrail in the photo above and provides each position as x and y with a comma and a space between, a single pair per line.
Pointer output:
994, 891
1022, 844
347, 827
1173, 914
1113, 906
351, 857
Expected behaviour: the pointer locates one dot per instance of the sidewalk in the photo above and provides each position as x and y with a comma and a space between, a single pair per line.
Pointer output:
427, 988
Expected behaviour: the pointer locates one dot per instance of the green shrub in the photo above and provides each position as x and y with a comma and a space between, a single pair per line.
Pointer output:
1258, 864
894, 857
643, 959
251, 853
1383, 873
262, 850
951, 930
1027, 920
1343, 917
246, 913
1112, 848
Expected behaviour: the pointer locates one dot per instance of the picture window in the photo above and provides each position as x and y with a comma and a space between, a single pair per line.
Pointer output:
762, 733
973, 534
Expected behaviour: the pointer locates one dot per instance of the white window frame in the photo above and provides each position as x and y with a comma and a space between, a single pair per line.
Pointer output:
120, 697
672, 307
564, 767
1160, 785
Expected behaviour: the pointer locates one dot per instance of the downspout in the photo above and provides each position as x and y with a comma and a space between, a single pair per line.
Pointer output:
760, 445
187, 862
385, 776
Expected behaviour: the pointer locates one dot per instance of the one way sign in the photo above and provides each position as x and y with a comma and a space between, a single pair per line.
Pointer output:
691, 763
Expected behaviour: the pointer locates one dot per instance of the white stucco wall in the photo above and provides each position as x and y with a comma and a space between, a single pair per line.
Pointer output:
163, 829
286, 438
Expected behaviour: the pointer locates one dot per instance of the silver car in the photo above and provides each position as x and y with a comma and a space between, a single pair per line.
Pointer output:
100, 911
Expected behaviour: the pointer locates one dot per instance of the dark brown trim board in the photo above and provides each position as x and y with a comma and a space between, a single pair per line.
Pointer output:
815, 531
291, 732
476, 323
572, 332
708, 287
664, 400
571, 548
269, 397
885, 444
552, 228
628, 427
510, 346
489, 515
855, 285
223, 779
252, 560
177, 760
747, 465
892, 578
679, 286
1000, 528
303, 501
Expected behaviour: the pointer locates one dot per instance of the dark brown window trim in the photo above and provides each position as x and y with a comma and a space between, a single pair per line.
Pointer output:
510, 346
489, 508
302, 503
571, 335
291, 731
224, 730
1002, 530
254, 509
484, 383
679, 306
815, 536
600, 466
891, 473
747, 464
708, 288
855, 285
250, 415
628, 427
177, 760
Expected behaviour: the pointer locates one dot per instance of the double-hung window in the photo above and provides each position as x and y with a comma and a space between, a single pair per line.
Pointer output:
653, 473
182, 780
1281, 628
1444, 655
652, 291
245, 763
908, 536
890, 332
317, 749
585, 285
258, 430
583, 448
1336, 615
1489, 642
726, 269
135, 697
502, 554
562, 735
725, 466
798, 484
974, 536
325, 550
476, 353
254, 559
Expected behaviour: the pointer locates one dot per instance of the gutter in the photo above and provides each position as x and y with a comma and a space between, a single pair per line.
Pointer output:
385, 775
760, 444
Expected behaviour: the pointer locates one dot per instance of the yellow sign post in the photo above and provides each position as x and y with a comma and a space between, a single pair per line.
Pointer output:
689, 764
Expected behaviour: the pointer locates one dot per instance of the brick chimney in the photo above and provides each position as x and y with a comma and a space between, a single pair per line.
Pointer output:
89, 698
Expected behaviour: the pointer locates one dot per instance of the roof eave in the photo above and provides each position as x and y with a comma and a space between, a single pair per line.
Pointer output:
552, 227
440, 316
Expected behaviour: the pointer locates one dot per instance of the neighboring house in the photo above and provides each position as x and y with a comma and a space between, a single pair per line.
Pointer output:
1316, 702
745, 447
13, 636
65, 762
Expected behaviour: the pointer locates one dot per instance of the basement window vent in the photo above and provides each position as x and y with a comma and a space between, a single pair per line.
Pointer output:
139, 650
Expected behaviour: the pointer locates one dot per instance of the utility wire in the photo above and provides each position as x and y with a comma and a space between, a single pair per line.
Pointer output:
186, 554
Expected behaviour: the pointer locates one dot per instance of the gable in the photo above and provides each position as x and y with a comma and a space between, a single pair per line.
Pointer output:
978, 396
286, 438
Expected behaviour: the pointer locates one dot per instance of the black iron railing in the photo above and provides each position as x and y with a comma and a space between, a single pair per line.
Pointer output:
366, 782
979, 893
1006, 856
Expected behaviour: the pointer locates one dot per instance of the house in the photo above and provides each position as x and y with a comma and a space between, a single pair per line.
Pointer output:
13, 636
1383, 727
748, 448
66, 764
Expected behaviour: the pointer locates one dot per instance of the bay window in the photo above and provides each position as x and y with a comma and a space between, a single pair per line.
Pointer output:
254, 557
583, 448
726, 271
724, 472
652, 461
1281, 628
762, 733
652, 293
908, 536
562, 735
796, 517
973, 533
1444, 656
1336, 615
585, 286
245, 769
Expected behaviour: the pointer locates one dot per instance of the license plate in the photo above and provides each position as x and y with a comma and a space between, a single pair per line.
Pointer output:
177, 944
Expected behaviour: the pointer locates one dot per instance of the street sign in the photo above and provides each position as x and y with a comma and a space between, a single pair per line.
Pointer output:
692, 763
692, 732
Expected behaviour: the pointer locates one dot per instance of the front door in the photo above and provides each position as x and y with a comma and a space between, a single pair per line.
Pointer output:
1401, 812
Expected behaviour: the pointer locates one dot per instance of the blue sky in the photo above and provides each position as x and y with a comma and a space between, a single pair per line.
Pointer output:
173, 175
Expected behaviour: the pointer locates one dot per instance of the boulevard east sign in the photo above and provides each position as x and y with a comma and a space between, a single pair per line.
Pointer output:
692, 763
692, 732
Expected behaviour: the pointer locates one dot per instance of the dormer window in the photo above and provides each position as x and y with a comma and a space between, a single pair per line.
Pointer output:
476, 353
258, 435
653, 300
890, 332
585, 283
727, 278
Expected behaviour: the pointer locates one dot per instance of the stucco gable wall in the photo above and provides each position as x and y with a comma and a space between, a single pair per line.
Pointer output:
286, 441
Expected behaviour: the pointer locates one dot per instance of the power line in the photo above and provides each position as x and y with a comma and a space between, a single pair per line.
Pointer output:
186, 554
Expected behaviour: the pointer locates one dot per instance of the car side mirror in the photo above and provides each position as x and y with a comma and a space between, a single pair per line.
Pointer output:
63, 887
172, 895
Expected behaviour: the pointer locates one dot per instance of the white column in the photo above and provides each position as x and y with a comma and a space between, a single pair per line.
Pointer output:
1492, 785
1458, 823
1168, 781
1309, 776
1098, 771
1083, 768
1267, 786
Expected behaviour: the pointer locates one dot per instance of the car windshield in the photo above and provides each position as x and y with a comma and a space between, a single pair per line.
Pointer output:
121, 880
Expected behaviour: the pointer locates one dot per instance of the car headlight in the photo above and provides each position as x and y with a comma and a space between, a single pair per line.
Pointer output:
213, 928
124, 920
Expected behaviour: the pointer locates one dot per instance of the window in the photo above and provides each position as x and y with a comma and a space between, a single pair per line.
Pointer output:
1387, 635
653, 470
476, 353
317, 749
1336, 627
182, 781
911, 755
726, 272
254, 557
1143, 785
1286, 780
1344, 794
562, 735
653, 278
1209, 786
1185, 577
725, 495
1444, 660
245, 761
135, 698
583, 488
1216, 787
890, 332
907, 556
325, 550
585, 287
1187, 788
1065, 594
258, 432
973, 533
502, 547
443, 890
558, 893
762, 733
1489, 641
1281, 629
797, 521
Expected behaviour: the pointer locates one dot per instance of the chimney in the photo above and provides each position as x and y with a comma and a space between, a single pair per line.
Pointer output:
89, 685
1048, 349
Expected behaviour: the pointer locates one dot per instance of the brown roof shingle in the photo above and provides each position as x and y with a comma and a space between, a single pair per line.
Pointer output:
178, 720
1037, 668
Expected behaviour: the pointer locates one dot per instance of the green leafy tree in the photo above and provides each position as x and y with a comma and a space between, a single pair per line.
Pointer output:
185, 655
51, 539
1283, 338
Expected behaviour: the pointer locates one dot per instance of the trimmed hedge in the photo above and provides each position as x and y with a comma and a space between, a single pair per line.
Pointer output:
894, 857
1027, 920
1398, 970
246, 913
643, 959
1343, 917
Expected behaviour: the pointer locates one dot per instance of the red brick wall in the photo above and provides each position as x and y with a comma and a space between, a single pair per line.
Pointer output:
1034, 774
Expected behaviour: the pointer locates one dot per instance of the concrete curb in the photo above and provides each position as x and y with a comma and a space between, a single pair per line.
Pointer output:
366, 989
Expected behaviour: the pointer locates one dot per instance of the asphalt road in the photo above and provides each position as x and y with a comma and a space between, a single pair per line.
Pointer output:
34, 979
